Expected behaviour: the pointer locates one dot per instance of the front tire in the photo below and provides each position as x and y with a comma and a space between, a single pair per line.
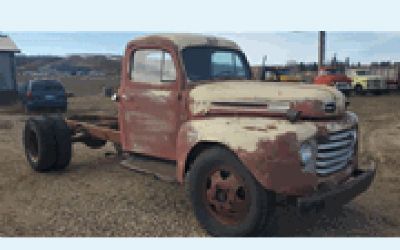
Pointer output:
226, 198
62, 135
359, 90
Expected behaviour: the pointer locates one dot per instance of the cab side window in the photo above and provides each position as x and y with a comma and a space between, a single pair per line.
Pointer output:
152, 66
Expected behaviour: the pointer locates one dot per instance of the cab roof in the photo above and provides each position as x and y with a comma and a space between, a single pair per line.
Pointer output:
183, 40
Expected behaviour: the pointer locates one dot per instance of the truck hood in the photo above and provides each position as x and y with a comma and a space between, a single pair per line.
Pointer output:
331, 79
265, 99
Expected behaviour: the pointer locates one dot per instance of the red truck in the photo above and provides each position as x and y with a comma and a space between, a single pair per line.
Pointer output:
330, 76
189, 112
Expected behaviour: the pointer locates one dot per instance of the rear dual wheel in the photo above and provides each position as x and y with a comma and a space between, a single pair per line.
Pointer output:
47, 143
226, 198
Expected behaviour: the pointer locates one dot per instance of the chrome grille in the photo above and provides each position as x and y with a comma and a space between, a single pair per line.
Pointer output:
335, 152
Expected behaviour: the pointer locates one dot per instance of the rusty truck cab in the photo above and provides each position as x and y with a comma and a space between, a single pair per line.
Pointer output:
154, 91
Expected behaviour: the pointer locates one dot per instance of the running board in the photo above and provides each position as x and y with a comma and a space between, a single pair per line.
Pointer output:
160, 169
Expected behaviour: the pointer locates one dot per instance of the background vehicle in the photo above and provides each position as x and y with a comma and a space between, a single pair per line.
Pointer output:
279, 74
330, 76
363, 82
189, 112
390, 73
43, 94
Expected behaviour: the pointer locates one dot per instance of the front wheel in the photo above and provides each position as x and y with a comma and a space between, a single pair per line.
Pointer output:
226, 198
359, 90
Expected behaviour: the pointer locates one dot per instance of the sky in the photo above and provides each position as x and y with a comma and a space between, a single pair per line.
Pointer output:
280, 47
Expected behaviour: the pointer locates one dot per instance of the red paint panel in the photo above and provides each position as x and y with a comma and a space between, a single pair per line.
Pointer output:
150, 114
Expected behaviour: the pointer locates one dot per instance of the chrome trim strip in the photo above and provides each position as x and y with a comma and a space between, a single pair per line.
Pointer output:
327, 155
332, 145
340, 136
328, 163
333, 169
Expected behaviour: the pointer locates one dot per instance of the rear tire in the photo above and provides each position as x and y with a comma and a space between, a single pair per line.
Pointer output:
63, 143
47, 142
40, 144
226, 198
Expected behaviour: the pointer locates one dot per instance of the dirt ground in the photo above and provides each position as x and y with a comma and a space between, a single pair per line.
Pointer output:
96, 196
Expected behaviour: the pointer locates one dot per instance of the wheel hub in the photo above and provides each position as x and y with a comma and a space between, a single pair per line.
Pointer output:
221, 195
226, 196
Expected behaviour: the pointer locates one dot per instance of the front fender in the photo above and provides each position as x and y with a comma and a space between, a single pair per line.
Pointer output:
267, 147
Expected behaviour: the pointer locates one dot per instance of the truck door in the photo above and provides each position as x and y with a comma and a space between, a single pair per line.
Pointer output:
149, 103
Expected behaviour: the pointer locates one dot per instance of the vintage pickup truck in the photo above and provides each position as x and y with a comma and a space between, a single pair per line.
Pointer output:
330, 76
189, 112
364, 82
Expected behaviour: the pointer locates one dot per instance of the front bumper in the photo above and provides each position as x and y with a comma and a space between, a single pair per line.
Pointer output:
358, 182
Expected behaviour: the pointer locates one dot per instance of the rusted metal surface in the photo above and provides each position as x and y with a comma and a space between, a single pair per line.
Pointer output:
265, 99
150, 114
163, 170
267, 147
182, 41
93, 118
95, 130
226, 195
169, 120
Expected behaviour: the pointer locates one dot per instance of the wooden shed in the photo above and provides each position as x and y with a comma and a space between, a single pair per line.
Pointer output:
8, 85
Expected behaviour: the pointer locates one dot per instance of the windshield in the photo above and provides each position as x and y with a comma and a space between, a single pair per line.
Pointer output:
325, 72
363, 72
47, 86
207, 63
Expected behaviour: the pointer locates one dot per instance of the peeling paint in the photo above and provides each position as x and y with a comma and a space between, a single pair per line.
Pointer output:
235, 132
168, 121
266, 146
276, 96
157, 95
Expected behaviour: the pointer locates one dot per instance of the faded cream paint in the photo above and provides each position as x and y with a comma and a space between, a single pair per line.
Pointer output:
349, 121
270, 93
157, 95
183, 40
243, 133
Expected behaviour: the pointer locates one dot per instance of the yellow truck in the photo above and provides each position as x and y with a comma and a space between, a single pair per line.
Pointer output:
364, 82
279, 74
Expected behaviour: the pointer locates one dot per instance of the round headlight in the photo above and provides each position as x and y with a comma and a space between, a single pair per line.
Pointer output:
306, 153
